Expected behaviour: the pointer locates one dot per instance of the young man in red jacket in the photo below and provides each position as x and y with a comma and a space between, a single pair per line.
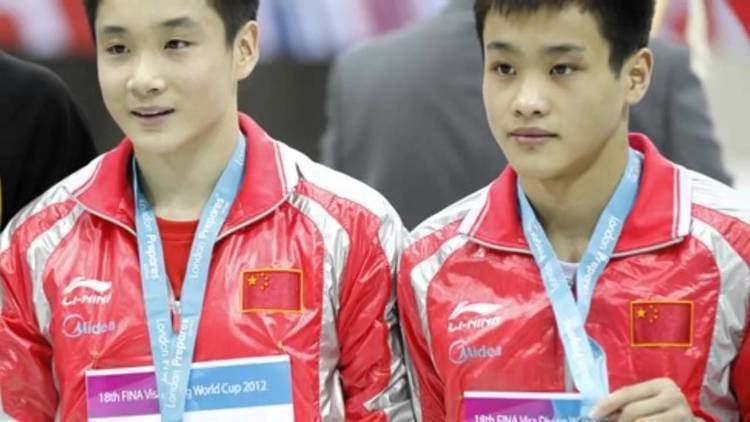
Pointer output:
198, 240
591, 264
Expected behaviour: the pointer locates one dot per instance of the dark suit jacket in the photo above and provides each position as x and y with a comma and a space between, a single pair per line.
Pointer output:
44, 134
406, 115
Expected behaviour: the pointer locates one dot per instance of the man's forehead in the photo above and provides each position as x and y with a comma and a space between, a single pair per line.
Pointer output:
181, 22
571, 15
550, 31
169, 13
551, 49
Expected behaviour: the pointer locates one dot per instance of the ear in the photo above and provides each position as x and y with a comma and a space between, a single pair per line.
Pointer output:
246, 50
637, 75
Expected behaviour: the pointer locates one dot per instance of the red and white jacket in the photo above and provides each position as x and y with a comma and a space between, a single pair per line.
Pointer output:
476, 316
290, 214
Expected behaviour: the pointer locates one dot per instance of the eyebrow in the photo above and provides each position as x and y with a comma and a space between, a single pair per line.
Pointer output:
557, 49
561, 49
113, 30
181, 22
503, 47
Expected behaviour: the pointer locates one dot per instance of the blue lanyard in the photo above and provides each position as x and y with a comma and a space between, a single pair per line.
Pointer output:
173, 352
585, 357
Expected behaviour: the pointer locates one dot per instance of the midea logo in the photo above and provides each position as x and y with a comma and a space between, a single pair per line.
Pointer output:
74, 326
460, 352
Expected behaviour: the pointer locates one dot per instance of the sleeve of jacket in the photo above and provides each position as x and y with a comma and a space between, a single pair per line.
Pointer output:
741, 374
27, 391
427, 387
372, 369
691, 137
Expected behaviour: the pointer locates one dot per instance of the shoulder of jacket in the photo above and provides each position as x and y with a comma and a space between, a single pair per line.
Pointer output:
454, 213
716, 196
338, 184
40, 208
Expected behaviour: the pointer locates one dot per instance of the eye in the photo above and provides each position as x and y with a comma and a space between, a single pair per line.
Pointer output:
117, 50
505, 69
177, 44
562, 70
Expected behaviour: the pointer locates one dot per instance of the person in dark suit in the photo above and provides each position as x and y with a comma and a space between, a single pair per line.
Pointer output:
44, 134
405, 115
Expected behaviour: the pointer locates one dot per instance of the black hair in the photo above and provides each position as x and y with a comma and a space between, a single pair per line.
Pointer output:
234, 13
625, 24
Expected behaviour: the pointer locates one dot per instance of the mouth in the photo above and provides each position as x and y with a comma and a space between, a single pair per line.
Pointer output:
151, 113
532, 136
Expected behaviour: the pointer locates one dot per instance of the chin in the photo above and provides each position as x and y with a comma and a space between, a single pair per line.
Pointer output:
157, 144
537, 169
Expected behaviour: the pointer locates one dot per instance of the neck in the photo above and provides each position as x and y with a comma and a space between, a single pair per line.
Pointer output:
569, 207
178, 183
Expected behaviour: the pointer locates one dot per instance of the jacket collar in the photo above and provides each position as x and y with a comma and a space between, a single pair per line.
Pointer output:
109, 192
660, 217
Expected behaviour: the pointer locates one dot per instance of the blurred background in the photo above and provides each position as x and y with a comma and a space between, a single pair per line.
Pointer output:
300, 38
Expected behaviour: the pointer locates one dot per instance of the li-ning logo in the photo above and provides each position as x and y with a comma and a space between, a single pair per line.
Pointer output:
91, 292
483, 309
74, 326
460, 352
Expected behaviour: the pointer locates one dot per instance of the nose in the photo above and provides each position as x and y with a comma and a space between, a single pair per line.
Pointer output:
531, 99
146, 79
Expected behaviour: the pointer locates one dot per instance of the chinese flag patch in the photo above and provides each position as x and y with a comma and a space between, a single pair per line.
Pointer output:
272, 290
661, 323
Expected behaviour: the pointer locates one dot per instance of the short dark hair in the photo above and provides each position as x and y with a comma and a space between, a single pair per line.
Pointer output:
234, 13
625, 24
